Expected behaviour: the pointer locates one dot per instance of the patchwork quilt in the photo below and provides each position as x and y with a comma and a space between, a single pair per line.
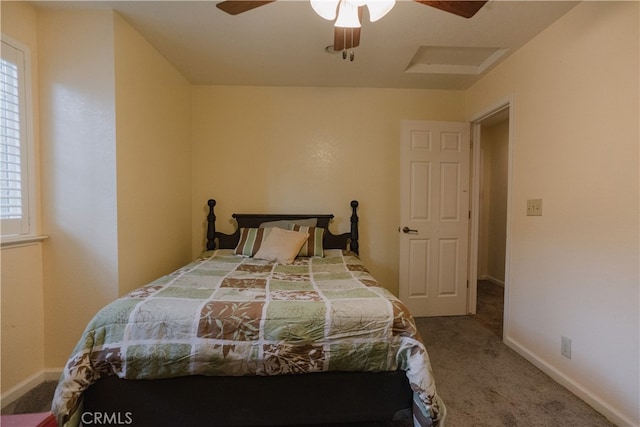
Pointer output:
229, 315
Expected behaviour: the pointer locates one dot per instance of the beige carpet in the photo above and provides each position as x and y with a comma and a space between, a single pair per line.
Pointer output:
37, 400
485, 383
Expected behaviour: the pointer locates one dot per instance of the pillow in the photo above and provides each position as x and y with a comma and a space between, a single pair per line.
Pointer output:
250, 240
313, 246
281, 245
287, 223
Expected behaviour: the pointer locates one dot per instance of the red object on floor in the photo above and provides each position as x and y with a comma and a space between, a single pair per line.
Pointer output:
42, 419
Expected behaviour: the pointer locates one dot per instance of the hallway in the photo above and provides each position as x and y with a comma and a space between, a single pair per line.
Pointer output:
490, 309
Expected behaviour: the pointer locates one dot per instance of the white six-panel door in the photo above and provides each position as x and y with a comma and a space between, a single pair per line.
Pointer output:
434, 214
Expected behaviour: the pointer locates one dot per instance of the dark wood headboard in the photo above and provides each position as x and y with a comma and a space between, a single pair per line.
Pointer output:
217, 240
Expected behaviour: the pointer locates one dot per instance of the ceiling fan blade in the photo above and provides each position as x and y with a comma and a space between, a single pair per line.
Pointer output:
345, 38
466, 9
236, 7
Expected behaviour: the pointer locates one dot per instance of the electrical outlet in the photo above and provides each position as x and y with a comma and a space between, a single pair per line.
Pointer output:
534, 207
565, 347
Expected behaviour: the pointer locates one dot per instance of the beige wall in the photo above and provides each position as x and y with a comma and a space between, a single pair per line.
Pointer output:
77, 125
153, 156
22, 318
493, 216
101, 83
259, 149
116, 167
574, 271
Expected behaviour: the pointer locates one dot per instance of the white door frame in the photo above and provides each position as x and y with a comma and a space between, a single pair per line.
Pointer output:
476, 123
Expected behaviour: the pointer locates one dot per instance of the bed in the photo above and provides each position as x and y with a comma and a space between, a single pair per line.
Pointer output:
259, 330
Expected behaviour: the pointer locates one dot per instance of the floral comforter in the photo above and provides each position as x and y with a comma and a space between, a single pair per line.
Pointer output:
229, 315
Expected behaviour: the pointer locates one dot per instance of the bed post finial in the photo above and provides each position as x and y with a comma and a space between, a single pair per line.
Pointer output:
354, 245
211, 226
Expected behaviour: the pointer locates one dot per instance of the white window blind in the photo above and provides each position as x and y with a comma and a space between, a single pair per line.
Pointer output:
14, 185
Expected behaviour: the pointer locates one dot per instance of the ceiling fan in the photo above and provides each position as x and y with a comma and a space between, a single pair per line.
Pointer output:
347, 35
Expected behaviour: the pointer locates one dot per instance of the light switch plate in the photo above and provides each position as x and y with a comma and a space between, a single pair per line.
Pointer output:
534, 207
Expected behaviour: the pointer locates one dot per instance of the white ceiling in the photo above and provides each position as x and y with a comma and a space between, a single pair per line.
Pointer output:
283, 43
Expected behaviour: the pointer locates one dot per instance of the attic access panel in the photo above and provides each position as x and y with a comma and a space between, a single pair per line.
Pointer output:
454, 60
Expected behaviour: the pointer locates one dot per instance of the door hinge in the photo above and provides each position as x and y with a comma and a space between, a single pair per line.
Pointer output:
467, 284
469, 214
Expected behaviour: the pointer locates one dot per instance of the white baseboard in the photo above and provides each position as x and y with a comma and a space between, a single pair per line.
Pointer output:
22, 388
491, 279
52, 374
495, 281
576, 388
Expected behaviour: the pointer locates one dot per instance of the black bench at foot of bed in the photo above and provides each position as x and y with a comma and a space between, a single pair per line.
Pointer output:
322, 398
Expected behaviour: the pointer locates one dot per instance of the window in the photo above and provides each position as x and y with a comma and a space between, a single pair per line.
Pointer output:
15, 141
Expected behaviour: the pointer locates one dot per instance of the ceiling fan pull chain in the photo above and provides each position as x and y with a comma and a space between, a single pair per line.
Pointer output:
351, 52
344, 45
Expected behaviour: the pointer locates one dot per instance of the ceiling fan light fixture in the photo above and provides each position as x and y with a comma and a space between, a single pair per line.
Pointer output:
348, 15
379, 8
347, 10
327, 9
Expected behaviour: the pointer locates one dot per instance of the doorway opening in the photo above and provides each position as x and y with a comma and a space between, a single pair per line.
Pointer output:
488, 270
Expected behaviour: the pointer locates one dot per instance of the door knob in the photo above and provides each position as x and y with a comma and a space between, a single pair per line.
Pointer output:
407, 230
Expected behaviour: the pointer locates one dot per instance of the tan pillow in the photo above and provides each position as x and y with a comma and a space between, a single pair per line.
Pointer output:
281, 245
